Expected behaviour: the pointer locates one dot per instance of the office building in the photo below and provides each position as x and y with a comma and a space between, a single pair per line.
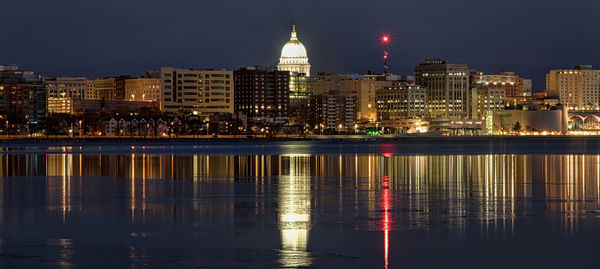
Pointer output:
448, 88
400, 102
485, 100
202, 92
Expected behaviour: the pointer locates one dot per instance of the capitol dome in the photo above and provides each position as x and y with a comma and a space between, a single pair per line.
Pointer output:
293, 56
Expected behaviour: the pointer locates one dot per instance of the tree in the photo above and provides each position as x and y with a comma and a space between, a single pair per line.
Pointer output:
517, 127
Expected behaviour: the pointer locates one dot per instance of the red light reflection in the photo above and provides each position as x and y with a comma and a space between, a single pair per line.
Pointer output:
386, 222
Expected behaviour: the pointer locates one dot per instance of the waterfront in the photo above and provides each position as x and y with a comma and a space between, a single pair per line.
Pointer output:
468, 204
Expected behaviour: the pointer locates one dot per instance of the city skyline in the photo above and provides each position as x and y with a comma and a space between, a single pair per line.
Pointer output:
70, 38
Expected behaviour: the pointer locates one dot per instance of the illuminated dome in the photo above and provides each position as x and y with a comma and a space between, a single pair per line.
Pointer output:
293, 56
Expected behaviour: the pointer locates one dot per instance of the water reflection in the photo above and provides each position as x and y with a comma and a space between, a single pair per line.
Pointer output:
294, 213
299, 193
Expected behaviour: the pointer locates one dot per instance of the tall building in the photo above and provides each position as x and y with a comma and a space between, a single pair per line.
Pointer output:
333, 111
262, 92
22, 97
293, 56
197, 91
448, 88
577, 88
485, 100
400, 102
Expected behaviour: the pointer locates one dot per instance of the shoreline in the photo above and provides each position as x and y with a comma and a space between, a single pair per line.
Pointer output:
350, 138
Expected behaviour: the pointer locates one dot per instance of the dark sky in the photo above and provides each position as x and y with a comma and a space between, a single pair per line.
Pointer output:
99, 38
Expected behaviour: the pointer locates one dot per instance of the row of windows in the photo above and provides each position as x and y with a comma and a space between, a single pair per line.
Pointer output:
198, 75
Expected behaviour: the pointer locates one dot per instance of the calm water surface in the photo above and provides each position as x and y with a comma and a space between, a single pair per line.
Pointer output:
296, 206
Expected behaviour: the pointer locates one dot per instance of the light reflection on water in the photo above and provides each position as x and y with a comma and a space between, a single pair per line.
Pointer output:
298, 193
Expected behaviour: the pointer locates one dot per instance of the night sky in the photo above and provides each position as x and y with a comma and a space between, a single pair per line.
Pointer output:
100, 38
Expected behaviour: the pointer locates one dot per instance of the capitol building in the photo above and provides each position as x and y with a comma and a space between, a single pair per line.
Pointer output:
293, 56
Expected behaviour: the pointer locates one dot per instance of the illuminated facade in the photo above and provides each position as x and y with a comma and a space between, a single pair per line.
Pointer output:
485, 99
400, 102
62, 91
513, 85
447, 86
300, 89
60, 105
197, 91
333, 111
531, 119
65, 87
577, 89
364, 89
293, 56
90, 91
105, 89
142, 89
262, 92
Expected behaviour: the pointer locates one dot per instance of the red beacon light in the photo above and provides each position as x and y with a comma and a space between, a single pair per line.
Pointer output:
385, 39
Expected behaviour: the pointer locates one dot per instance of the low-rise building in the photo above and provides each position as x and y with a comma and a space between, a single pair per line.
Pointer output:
135, 126
531, 119
111, 106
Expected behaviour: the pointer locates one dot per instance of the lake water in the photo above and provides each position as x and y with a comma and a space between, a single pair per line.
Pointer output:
428, 204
